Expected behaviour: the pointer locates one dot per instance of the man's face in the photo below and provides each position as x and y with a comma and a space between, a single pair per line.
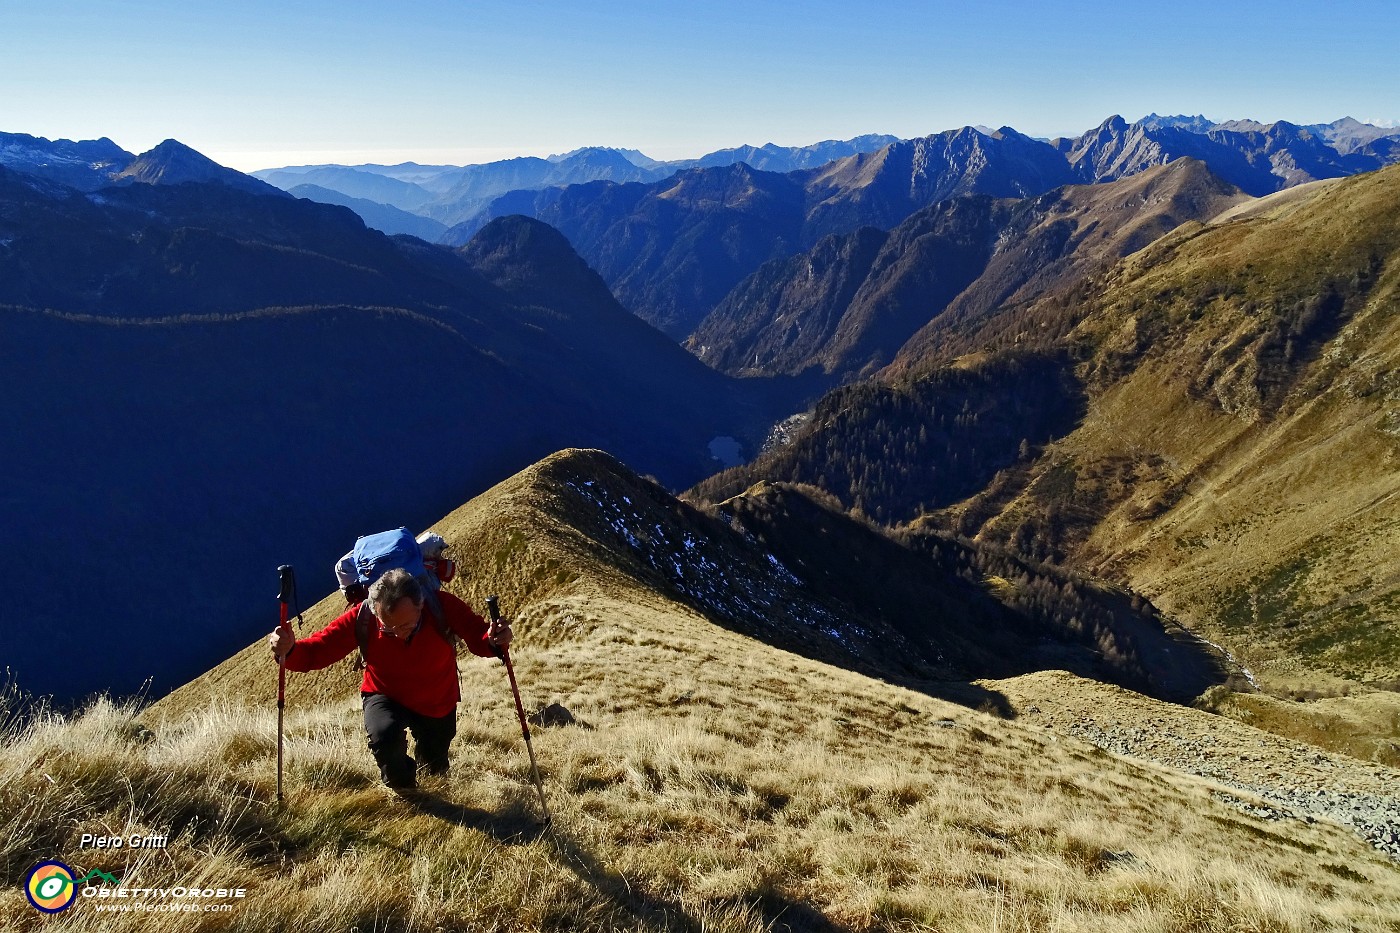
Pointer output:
400, 620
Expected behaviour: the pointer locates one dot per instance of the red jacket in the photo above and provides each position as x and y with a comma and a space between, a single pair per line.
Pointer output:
420, 671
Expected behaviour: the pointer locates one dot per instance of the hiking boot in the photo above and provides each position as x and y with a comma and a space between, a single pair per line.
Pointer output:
401, 791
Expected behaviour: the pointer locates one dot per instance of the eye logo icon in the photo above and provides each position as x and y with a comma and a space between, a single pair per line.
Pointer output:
50, 887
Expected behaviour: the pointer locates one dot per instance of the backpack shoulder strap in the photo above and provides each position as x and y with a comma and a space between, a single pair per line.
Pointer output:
363, 620
434, 607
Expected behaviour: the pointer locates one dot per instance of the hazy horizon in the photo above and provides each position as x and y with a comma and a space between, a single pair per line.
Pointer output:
263, 84
257, 161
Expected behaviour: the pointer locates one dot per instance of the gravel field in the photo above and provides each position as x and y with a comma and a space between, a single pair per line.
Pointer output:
1276, 778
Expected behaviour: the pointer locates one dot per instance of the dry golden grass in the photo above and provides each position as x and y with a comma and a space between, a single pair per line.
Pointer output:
1365, 726
1225, 739
1253, 498
712, 783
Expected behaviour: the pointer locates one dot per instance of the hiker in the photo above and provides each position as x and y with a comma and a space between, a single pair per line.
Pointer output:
410, 681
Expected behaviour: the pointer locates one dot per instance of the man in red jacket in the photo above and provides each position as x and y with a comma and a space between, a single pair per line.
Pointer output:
410, 681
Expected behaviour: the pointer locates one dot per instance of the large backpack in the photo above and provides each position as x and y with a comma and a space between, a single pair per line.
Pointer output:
377, 554
389, 549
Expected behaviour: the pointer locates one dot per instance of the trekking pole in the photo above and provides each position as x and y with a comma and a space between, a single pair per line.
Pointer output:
493, 608
286, 595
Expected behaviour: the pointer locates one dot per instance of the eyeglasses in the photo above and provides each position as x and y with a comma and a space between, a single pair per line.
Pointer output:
389, 627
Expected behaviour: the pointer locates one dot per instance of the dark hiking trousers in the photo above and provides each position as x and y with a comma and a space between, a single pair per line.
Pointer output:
387, 723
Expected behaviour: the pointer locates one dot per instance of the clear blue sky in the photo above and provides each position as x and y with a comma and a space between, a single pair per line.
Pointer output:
259, 83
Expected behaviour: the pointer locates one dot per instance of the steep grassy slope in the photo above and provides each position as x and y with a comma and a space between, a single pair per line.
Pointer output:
711, 782
1239, 459
780, 564
1232, 453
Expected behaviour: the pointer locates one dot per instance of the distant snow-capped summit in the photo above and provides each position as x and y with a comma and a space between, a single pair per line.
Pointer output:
85, 165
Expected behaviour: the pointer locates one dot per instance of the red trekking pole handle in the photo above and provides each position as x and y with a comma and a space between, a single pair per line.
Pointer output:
493, 609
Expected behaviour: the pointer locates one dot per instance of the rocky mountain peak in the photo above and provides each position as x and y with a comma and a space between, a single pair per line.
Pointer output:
173, 163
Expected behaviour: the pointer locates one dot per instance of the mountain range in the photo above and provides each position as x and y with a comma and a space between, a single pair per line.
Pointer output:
979, 337
640, 239
854, 301
638, 221
673, 249
456, 194
181, 353
1210, 420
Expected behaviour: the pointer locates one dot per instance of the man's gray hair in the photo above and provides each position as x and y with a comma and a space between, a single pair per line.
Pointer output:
385, 593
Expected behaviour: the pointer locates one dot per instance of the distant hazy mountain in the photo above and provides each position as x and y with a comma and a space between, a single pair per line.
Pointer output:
351, 183
381, 217
428, 177
772, 158
474, 185
458, 194
672, 250
1197, 124
639, 159
449, 194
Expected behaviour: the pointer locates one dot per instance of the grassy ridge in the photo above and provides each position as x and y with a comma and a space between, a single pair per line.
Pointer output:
711, 782
714, 783
1231, 447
